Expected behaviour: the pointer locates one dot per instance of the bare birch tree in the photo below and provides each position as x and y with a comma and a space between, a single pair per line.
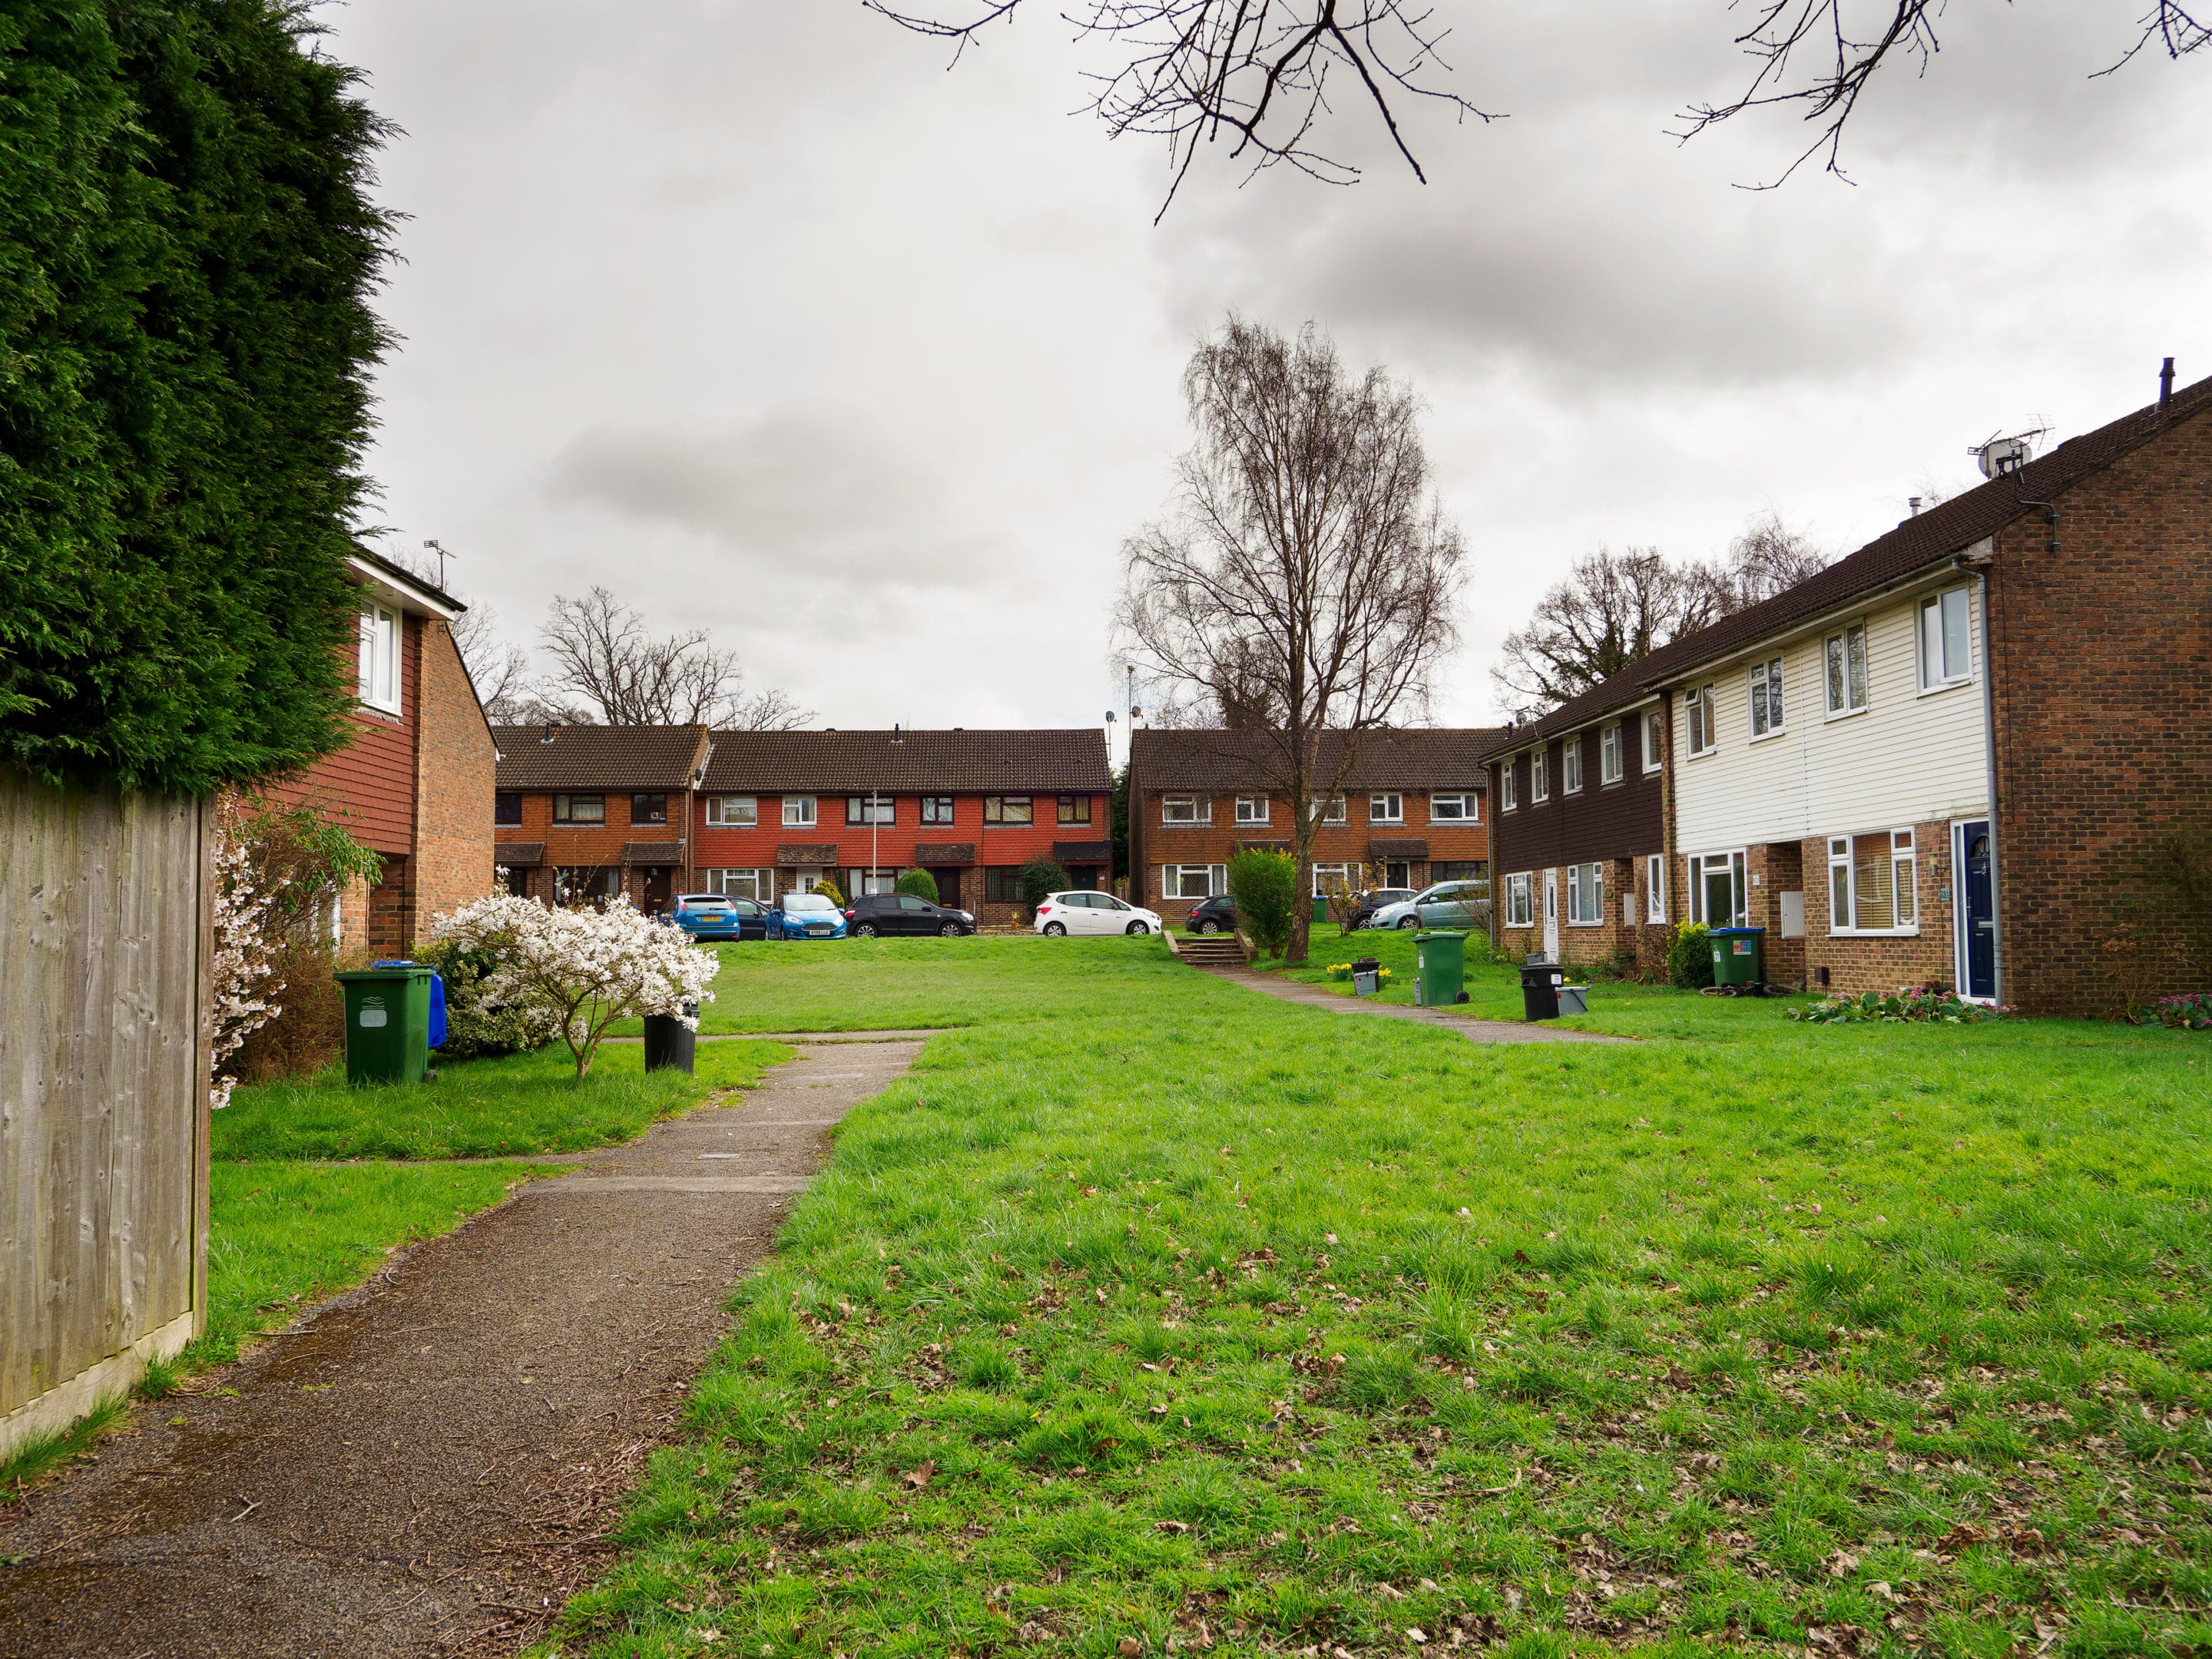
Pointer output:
608, 669
1305, 579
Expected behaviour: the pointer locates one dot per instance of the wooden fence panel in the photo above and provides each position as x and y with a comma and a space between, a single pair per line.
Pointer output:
105, 906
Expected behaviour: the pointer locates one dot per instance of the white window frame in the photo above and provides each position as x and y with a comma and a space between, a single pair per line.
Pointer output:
379, 679
1904, 863
1586, 896
1697, 710
733, 812
1539, 776
1341, 873
1509, 786
1736, 861
1571, 764
1941, 674
756, 883
1180, 811
1849, 642
1389, 807
1215, 878
1520, 900
873, 883
1252, 809
1769, 713
799, 812
1609, 769
1465, 806
1655, 740
1329, 811
1655, 888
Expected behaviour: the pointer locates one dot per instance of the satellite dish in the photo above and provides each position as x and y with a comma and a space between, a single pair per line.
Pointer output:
2000, 456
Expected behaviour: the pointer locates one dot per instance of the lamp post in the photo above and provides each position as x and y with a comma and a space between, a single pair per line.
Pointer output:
875, 832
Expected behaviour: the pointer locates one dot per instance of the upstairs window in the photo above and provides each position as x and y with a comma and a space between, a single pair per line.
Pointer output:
733, 812
580, 808
1251, 808
506, 809
1946, 648
798, 811
1509, 786
1008, 810
1185, 809
1571, 765
1539, 782
648, 809
1609, 754
1846, 660
1460, 806
1074, 809
870, 809
936, 808
1386, 809
1655, 740
1331, 811
1700, 707
379, 658
1766, 697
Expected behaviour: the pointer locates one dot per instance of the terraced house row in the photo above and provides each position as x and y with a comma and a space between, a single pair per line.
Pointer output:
1976, 752
587, 811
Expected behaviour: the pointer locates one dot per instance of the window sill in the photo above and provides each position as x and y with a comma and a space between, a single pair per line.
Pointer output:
1941, 687
1873, 933
1585, 924
1703, 754
1654, 771
1835, 714
1768, 737
390, 711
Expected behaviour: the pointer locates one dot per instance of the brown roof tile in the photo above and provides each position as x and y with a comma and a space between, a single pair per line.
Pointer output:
1082, 852
1920, 541
806, 855
1405, 757
652, 852
1031, 762
945, 852
517, 854
598, 756
1399, 847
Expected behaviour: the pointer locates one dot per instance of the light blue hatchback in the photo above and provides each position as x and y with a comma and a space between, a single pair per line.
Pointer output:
805, 915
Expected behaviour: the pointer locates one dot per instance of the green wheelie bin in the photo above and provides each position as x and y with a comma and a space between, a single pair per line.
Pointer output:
1739, 956
387, 1024
1440, 973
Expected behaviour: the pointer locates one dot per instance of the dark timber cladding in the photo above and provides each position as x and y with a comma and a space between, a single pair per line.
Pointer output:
1602, 820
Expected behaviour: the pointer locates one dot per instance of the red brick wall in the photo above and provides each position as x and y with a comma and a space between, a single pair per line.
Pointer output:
1345, 843
455, 762
2103, 653
592, 846
1856, 964
1627, 941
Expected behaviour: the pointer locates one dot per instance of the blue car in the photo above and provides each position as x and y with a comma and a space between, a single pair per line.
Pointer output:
714, 915
806, 915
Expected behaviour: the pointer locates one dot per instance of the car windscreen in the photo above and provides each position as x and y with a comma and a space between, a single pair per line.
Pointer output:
806, 901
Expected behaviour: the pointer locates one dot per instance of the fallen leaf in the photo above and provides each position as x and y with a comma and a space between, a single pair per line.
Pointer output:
1170, 1526
1131, 1647
919, 1475
1415, 1633
1843, 1565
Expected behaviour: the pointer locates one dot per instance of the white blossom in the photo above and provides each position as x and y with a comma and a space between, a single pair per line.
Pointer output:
586, 969
245, 955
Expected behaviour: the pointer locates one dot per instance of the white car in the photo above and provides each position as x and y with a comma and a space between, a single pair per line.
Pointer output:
1092, 912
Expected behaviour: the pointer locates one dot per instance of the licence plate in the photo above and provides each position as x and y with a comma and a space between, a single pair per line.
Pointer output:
820, 932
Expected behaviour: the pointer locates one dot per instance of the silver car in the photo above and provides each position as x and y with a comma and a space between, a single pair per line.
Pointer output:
1446, 905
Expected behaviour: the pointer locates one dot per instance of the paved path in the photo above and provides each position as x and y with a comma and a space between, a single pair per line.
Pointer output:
1475, 1030
427, 1466
918, 1034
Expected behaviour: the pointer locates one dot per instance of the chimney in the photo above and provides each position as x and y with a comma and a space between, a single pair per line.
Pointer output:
2166, 384
1915, 507
546, 736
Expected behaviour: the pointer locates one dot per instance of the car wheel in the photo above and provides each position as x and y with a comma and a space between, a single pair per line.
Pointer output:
950, 930
1136, 927
866, 930
1055, 930
1209, 927
1409, 921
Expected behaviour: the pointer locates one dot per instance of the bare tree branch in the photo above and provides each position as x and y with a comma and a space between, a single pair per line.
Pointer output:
1303, 586
609, 669
1848, 54
1254, 72
499, 669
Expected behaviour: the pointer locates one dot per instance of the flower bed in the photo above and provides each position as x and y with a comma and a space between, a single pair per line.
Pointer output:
1926, 1003
2193, 1013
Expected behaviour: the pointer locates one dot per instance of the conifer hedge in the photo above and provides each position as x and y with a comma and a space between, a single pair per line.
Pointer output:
187, 252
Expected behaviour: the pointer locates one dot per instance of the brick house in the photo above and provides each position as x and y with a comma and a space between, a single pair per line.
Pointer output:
780, 810
1580, 830
1411, 813
414, 783
589, 812
2041, 645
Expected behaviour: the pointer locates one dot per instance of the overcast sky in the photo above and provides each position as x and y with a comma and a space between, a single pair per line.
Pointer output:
754, 313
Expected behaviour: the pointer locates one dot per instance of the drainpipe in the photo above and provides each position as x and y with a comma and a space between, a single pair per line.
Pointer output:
1989, 760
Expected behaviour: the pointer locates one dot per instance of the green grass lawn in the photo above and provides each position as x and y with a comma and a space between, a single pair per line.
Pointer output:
1146, 1309
495, 1107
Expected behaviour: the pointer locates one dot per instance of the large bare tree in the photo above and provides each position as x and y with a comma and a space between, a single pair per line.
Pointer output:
1304, 580
499, 668
609, 669
1254, 76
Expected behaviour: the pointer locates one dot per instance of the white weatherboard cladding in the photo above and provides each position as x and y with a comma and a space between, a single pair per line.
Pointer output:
1909, 758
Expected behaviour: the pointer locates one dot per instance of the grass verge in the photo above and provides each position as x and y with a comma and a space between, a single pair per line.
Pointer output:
1182, 1316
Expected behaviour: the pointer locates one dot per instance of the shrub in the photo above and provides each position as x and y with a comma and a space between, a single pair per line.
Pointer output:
2193, 1013
309, 1031
827, 889
1929, 1003
476, 1023
1689, 957
920, 883
1264, 887
1041, 878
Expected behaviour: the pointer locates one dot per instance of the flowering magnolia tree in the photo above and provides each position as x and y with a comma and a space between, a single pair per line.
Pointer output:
586, 969
246, 944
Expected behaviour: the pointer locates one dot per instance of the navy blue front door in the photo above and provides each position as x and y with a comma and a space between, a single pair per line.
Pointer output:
1980, 912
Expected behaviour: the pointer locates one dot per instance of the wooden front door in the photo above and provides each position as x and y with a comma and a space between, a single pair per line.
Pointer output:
659, 879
